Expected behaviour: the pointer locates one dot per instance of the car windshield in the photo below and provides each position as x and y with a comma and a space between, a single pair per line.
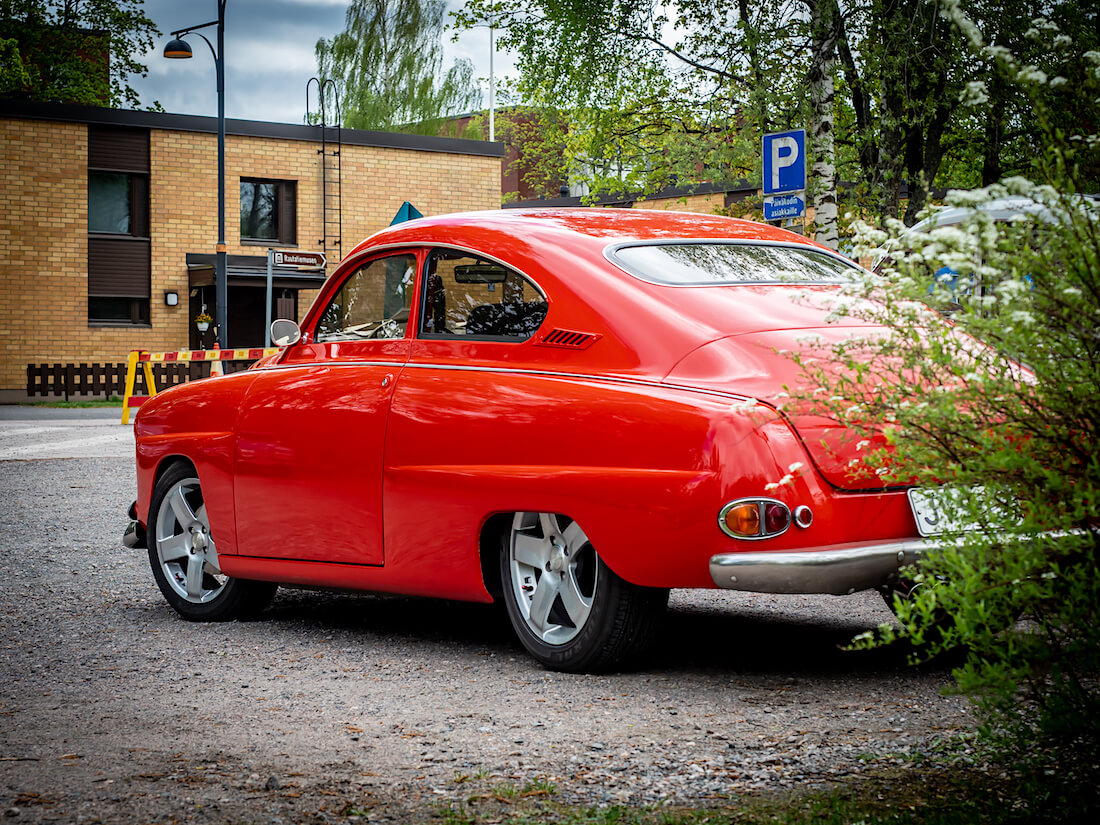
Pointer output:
697, 263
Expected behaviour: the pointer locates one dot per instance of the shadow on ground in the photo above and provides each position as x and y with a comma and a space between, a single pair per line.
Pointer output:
712, 637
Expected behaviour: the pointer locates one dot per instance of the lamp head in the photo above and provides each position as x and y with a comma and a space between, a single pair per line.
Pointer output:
177, 49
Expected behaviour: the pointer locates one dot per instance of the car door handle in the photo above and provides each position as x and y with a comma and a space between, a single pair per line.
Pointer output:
386, 379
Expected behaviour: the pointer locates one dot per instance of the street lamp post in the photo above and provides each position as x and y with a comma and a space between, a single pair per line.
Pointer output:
492, 85
178, 48
490, 24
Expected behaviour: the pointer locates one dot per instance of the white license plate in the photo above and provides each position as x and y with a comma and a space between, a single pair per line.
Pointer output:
933, 511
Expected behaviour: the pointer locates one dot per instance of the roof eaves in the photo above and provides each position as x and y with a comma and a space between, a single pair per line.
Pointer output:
167, 121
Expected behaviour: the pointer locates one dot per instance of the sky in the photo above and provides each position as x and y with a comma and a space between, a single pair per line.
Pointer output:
269, 56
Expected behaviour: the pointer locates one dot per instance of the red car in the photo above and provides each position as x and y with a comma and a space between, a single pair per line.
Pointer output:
571, 411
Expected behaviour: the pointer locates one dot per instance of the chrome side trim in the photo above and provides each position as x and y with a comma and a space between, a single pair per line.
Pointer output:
578, 376
839, 570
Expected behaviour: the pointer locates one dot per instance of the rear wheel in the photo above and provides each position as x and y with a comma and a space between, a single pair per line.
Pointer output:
568, 608
184, 557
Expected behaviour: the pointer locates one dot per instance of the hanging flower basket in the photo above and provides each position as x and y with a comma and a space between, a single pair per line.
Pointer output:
202, 321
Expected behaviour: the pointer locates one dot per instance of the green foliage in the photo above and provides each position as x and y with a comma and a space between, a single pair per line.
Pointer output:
14, 78
387, 67
74, 52
989, 384
681, 92
618, 116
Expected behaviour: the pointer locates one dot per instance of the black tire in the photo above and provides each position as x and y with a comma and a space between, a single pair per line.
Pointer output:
607, 622
183, 555
935, 632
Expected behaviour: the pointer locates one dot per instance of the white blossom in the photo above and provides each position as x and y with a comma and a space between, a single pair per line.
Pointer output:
975, 94
1018, 185
1031, 74
1062, 40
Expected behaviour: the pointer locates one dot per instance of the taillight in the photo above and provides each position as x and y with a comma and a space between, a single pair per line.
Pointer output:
754, 518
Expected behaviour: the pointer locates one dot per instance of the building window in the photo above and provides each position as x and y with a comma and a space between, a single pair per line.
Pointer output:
118, 226
268, 211
109, 202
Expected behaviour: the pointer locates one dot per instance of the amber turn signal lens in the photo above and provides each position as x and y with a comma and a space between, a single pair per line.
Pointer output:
744, 520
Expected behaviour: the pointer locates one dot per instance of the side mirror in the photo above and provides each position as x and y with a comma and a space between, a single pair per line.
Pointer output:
284, 333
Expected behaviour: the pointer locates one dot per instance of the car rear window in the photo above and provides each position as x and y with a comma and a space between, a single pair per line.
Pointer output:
698, 263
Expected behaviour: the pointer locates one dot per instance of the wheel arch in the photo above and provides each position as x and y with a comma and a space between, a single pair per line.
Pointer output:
170, 461
493, 533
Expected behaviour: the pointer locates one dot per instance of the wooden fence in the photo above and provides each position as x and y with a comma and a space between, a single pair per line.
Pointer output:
105, 380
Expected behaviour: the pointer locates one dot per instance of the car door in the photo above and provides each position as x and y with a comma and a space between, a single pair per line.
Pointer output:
311, 433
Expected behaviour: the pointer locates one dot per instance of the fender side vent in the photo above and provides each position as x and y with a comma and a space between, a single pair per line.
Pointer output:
567, 339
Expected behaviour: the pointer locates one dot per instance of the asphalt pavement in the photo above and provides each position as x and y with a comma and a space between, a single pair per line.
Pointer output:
338, 708
38, 433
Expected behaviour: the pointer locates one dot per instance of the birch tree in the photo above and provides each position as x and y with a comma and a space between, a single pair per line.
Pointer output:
387, 65
824, 30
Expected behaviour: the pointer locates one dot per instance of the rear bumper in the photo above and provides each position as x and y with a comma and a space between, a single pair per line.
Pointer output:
838, 570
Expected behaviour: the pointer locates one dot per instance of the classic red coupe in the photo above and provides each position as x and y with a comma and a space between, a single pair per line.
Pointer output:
569, 410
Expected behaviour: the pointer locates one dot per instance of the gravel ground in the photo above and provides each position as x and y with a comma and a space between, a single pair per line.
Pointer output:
334, 707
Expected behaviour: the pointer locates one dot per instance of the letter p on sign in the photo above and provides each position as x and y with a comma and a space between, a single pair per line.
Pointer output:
784, 162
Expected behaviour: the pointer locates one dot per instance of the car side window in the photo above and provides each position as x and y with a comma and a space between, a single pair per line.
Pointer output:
467, 295
373, 302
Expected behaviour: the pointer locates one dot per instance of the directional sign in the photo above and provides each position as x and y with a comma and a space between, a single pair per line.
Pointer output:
785, 162
302, 260
784, 206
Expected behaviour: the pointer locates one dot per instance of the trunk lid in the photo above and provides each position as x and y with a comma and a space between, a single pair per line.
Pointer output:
760, 365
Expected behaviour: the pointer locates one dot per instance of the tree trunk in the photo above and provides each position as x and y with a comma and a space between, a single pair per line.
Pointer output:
824, 16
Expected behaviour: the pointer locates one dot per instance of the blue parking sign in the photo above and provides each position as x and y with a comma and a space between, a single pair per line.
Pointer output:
785, 162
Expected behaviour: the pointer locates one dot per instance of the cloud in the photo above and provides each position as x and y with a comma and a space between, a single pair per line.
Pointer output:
269, 49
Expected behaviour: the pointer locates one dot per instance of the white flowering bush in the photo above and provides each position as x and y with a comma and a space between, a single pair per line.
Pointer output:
988, 386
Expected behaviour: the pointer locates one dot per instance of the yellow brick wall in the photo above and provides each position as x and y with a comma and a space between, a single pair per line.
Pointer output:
43, 226
43, 245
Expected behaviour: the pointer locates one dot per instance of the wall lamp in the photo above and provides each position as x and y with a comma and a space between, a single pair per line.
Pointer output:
171, 298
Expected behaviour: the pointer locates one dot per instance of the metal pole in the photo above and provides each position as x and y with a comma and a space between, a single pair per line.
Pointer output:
267, 316
492, 86
220, 274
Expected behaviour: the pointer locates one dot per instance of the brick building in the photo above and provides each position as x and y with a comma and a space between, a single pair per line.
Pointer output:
108, 216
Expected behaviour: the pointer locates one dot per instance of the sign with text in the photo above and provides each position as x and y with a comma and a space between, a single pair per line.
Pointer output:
302, 260
784, 206
785, 162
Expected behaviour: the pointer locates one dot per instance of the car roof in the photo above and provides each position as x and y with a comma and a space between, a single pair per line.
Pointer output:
1000, 209
582, 226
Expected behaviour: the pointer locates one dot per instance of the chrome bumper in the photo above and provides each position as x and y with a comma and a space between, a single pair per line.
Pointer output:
838, 570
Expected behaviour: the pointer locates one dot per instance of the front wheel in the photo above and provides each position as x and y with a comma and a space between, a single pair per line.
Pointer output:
184, 557
568, 608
